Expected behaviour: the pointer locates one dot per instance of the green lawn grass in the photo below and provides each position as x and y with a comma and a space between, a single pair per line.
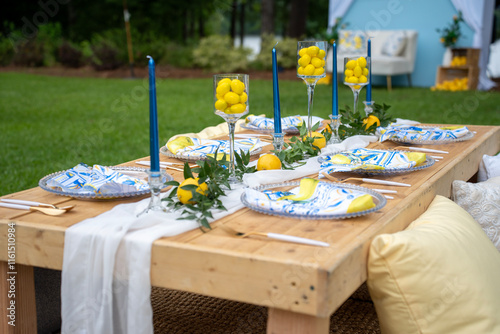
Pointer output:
49, 124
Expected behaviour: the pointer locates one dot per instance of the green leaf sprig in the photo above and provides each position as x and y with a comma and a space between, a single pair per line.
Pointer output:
352, 122
299, 148
215, 174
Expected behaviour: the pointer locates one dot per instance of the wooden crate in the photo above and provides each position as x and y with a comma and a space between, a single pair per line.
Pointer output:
471, 54
446, 73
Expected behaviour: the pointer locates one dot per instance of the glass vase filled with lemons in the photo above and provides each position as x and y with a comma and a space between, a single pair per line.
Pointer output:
230, 103
356, 75
311, 68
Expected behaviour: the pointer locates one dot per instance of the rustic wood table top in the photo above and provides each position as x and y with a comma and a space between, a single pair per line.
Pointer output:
302, 285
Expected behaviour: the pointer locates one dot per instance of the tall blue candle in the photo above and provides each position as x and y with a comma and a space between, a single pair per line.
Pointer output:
335, 88
369, 87
276, 94
154, 150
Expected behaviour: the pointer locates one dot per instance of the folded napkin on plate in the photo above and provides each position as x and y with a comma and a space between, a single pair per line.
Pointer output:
196, 147
106, 282
321, 199
97, 180
287, 123
362, 158
406, 132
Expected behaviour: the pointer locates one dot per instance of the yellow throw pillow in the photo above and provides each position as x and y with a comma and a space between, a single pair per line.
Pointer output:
441, 275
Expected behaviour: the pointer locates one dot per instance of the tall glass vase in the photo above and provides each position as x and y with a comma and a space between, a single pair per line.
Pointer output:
356, 75
311, 68
231, 102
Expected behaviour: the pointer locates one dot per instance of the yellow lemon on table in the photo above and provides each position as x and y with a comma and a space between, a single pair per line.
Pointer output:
268, 161
319, 139
362, 62
232, 98
370, 120
185, 195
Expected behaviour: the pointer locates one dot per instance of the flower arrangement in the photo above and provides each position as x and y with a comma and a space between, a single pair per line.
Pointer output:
451, 34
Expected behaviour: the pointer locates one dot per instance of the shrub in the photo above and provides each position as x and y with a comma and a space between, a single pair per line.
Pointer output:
70, 55
6, 51
50, 35
178, 55
216, 53
30, 54
286, 53
105, 54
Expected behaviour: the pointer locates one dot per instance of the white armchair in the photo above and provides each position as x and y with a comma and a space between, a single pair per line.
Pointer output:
393, 52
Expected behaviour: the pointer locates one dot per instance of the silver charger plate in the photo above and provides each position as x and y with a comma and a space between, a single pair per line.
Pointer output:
137, 172
388, 171
378, 199
165, 151
467, 136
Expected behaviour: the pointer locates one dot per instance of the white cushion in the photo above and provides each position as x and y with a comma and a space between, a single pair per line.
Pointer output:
441, 275
395, 44
489, 167
352, 41
482, 201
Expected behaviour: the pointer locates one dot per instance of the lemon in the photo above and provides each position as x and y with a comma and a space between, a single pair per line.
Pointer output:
268, 161
302, 52
352, 79
323, 62
340, 159
237, 86
361, 203
370, 120
362, 62
221, 105
223, 88
238, 108
300, 71
232, 98
179, 143
243, 97
319, 139
351, 64
312, 50
309, 69
319, 71
365, 72
362, 79
223, 81
186, 195
304, 60
321, 53
418, 157
357, 71
348, 73
316, 62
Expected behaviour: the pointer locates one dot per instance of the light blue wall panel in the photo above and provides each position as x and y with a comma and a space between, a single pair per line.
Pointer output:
425, 16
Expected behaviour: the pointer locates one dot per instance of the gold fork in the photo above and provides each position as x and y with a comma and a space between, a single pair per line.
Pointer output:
277, 236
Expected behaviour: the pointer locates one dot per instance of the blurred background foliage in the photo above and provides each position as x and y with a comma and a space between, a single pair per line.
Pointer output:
76, 33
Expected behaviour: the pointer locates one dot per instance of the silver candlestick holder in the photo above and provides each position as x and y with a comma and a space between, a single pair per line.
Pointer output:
278, 141
334, 125
368, 107
156, 181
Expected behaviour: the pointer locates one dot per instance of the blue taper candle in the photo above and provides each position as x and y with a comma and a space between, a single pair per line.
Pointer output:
335, 87
276, 95
154, 150
369, 87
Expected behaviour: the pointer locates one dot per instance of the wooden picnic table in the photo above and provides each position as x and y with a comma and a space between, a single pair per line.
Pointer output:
301, 285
